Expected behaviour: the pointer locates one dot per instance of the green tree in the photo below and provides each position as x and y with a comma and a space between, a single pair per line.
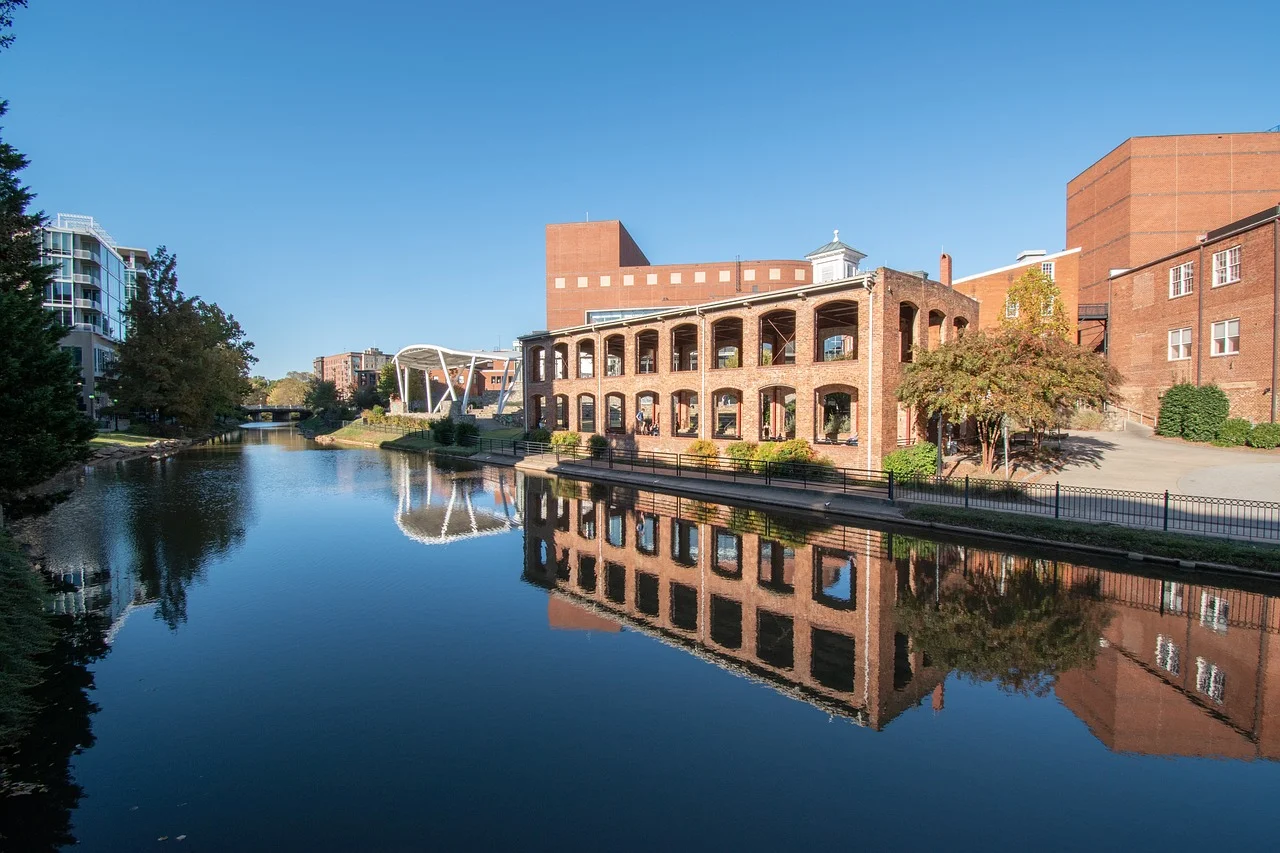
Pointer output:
1035, 303
387, 384
322, 396
41, 427
291, 390
1054, 376
184, 358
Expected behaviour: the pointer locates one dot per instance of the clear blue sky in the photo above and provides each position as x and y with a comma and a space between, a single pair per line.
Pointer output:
341, 175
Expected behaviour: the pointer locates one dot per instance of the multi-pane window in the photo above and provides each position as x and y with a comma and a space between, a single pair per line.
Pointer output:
1011, 309
1210, 680
1226, 266
1180, 344
1171, 597
1167, 657
1181, 279
1213, 612
1047, 269
1226, 337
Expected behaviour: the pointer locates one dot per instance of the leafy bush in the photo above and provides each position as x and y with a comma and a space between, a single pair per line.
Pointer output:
1233, 432
741, 450
442, 431
541, 436
795, 450
377, 411
1265, 436
919, 460
466, 434
597, 444
703, 447
1206, 415
1174, 406
565, 440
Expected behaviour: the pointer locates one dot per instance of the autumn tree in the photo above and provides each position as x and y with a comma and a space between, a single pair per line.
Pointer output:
291, 390
259, 389
1033, 306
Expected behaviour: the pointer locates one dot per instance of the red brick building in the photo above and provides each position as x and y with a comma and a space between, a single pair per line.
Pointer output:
991, 288
820, 361
595, 272
1206, 313
350, 371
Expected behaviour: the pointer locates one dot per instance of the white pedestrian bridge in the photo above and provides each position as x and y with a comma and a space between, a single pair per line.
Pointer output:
460, 367
437, 506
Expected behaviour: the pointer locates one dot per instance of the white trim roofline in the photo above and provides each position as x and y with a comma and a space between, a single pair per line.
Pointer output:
1027, 263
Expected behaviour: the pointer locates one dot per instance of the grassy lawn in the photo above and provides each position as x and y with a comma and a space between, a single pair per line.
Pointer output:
1153, 542
504, 434
125, 439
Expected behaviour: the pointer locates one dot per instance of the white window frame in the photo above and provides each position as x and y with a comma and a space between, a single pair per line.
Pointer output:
1168, 657
1047, 267
1010, 309
1182, 279
1226, 266
1225, 339
1210, 680
1184, 341
1214, 612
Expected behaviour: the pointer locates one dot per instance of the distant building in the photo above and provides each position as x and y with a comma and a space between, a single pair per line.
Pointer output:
351, 371
93, 281
991, 288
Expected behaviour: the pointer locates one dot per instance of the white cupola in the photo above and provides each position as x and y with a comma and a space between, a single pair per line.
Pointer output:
835, 260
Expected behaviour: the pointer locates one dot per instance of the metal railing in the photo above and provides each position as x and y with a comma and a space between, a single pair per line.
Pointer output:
1233, 517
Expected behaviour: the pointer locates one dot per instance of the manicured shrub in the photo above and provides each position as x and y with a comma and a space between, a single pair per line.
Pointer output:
1174, 406
466, 434
703, 447
597, 444
918, 460
540, 436
1233, 432
1266, 436
565, 440
795, 450
1206, 414
442, 431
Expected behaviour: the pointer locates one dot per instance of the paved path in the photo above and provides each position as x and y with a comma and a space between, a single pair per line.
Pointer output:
1137, 460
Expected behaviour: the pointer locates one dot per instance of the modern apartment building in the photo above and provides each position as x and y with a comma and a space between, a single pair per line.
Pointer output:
351, 371
93, 282
821, 361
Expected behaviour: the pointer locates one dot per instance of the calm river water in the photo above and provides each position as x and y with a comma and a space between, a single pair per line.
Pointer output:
268, 645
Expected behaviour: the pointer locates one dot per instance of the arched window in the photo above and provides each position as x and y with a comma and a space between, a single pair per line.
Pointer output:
646, 416
726, 341
837, 415
778, 338
906, 330
961, 325
538, 411
777, 413
647, 351
727, 419
615, 350
586, 413
937, 327
586, 359
684, 347
560, 362
562, 411
615, 408
538, 355
836, 331
684, 414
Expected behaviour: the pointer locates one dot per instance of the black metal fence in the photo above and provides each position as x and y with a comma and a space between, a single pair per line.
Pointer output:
1234, 517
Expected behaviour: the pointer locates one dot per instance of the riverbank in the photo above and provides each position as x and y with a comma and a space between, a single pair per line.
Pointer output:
1123, 543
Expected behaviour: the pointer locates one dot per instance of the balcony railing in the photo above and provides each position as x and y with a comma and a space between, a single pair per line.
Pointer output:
86, 255
90, 304
1094, 311
81, 278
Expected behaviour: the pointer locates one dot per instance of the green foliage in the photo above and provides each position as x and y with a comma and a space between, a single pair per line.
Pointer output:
1266, 436
1019, 630
836, 424
377, 411
41, 427
1040, 309
796, 450
1174, 406
259, 388
184, 358
1205, 417
25, 633
742, 451
290, 391
387, 385
321, 396
919, 460
791, 531
565, 440
443, 431
466, 434
597, 444
1234, 432
539, 436
702, 447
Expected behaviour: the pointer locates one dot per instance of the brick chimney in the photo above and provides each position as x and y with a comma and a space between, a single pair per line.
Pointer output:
944, 269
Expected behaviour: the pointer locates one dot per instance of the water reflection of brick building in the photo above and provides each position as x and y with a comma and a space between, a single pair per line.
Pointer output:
810, 614
1180, 668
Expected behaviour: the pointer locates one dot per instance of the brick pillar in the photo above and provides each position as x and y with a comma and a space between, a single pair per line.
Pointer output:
944, 270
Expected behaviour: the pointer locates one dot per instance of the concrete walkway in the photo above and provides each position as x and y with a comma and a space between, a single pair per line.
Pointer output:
1137, 460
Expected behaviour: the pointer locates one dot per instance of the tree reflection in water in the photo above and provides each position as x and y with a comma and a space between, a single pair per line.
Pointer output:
999, 618
196, 508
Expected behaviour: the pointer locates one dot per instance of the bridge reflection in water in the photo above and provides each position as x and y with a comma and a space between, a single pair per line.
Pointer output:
855, 621
446, 501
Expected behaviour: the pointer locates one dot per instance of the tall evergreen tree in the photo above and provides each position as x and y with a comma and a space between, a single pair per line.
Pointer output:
41, 427
183, 358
